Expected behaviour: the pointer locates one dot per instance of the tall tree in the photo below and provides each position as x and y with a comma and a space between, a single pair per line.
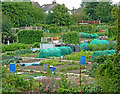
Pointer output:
60, 15
48, 18
103, 10
22, 13
91, 9
116, 12
82, 15
6, 24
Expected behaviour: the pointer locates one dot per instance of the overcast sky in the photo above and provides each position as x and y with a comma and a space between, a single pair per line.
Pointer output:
68, 3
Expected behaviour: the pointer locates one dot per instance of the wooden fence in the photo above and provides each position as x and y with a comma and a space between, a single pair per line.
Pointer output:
89, 22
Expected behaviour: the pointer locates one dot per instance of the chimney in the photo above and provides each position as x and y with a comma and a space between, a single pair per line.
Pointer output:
54, 2
63, 4
73, 10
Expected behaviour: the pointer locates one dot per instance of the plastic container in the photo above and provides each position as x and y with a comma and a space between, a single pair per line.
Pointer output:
45, 67
53, 69
13, 67
82, 60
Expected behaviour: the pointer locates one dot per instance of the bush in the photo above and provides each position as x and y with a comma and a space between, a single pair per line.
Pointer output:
30, 36
90, 40
22, 51
10, 36
13, 47
76, 56
99, 59
12, 82
92, 71
104, 33
53, 29
81, 28
112, 32
94, 47
36, 44
102, 47
71, 37
107, 75
53, 62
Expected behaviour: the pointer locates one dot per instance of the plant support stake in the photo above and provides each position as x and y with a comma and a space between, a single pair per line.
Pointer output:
80, 74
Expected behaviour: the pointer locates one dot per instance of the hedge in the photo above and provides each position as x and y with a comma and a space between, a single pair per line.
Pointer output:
71, 37
13, 47
29, 36
87, 28
81, 28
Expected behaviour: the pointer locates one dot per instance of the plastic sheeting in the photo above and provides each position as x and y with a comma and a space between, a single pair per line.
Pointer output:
77, 48
35, 49
72, 46
30, 64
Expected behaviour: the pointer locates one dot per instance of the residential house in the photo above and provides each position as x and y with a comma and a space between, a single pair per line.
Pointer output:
49, 7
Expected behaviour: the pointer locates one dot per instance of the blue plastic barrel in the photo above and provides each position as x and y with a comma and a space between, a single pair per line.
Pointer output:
13, 67
82, 60
53, 69
45, 67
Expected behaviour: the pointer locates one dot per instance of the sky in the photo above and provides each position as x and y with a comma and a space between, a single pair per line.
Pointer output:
68, 3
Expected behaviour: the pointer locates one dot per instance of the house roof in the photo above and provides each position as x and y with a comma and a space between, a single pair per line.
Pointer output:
48, 7
36, 4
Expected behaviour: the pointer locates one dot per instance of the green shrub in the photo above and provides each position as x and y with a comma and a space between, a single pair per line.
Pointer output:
13, 47
107, 75
99, 59
36, 44
76, 67
92, 71
104, 33
112, 32
62, 29
53, 29
29, 36
53, 62
102, 47
76, 56
6, 59
71, 37
90, 40
12, 82
22, 51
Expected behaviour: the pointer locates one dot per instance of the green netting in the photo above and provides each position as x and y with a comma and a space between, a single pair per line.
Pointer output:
99, 53
65, 50
84, 46
87, 35
56, 52
98, 41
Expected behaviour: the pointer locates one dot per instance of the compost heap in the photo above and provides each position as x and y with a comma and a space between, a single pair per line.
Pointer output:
87, 35
99, 53
54, 52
